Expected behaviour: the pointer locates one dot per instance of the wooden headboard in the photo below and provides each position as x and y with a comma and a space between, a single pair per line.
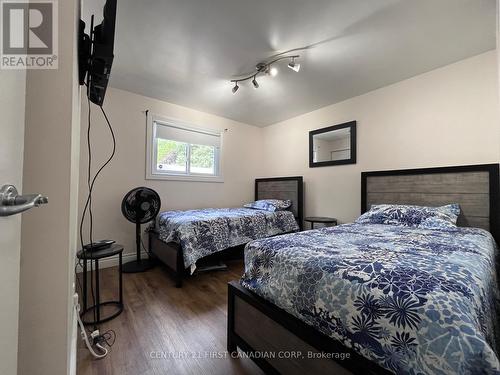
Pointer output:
474, 187
283, 188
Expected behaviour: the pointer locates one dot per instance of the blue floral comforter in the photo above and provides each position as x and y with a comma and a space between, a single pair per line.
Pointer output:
207, 231
415, 301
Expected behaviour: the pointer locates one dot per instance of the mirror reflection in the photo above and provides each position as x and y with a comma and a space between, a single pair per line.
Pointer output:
333, 145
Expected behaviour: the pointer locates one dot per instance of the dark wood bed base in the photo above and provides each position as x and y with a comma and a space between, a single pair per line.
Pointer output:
256, 325
262, 330
171, 255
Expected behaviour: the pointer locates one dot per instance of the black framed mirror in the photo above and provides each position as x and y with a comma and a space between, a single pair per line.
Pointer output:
333, 145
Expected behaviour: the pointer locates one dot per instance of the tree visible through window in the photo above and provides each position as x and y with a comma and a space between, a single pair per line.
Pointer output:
172, 156
179, 151
202, 159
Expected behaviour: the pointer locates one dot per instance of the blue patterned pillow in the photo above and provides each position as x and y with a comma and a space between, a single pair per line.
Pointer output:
444, 217
270, 205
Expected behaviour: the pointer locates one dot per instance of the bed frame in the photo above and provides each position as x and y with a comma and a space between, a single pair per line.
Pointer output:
171, 254
474, 187
258, 327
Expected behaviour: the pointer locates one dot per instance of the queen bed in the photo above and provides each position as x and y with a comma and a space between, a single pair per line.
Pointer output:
375, 296
182, 238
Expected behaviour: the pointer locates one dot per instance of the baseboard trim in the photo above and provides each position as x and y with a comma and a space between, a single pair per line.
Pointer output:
113, 261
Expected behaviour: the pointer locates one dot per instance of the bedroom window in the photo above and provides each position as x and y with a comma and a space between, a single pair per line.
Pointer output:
180, 152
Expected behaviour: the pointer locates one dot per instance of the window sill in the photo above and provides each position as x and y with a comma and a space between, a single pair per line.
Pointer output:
216, 179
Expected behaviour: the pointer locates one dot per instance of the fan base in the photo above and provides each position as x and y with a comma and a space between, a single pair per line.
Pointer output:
136, 266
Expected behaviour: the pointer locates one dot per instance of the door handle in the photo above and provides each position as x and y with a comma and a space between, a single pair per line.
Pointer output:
12, 203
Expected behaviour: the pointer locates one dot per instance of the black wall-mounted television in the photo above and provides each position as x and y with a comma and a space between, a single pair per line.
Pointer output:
95, 54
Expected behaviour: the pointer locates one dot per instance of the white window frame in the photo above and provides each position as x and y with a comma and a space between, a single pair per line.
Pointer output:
152, 174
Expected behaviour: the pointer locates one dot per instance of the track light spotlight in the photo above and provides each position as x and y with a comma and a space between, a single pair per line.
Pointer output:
266, 67
292, 65
255, 83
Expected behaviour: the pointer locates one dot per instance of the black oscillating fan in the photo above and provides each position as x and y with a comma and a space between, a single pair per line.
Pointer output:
140, 206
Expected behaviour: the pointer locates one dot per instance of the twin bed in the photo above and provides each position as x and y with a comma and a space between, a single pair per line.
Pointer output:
377, 297
181, 238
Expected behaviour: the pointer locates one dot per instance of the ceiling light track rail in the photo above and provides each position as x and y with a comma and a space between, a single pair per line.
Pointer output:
266, 68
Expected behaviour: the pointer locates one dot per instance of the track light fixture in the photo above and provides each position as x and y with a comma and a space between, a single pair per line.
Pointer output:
292, 65
266, 68
255, 83
236, 87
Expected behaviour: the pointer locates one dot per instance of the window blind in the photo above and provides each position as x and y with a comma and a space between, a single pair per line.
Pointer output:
196, 137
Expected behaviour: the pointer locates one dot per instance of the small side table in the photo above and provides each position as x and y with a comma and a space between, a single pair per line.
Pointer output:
320, 219
95, 256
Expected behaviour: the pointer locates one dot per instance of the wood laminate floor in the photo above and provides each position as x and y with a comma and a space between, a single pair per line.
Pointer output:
188, 325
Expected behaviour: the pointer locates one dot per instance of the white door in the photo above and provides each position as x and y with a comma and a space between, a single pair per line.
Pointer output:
12, 105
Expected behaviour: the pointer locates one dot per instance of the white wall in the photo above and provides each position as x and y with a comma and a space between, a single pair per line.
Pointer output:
48, 243
12, 105
241, 162
448, 116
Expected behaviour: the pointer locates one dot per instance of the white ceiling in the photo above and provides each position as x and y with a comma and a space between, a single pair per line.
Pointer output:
186, 51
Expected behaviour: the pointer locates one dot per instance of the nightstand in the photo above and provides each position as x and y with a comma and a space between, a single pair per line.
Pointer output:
94, 256
328, 221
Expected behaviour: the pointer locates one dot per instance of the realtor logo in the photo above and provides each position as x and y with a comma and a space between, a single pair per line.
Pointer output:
28, 34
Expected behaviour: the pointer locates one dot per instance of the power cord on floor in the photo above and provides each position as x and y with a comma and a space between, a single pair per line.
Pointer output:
97, 339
